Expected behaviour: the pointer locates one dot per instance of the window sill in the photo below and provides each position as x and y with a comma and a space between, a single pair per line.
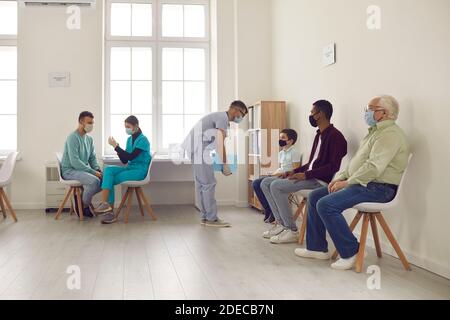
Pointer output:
3, 158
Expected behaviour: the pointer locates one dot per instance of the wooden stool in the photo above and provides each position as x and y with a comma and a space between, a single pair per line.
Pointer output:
372, 217
142, 201
74, 191
302, 210
6, 172
4, 200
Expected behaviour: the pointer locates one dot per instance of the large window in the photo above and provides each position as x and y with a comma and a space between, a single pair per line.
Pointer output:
157, 67
8, 76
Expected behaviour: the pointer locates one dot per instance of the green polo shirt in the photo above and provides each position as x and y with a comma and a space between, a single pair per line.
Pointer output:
382, 156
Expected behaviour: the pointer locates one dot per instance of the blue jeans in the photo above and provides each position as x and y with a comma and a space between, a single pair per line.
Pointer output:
325, 214
91, 184
260, 194
114, 175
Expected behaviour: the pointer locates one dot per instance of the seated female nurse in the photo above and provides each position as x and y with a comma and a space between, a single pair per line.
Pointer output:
137, 158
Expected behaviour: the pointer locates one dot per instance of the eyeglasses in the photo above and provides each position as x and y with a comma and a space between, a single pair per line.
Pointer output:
366, 109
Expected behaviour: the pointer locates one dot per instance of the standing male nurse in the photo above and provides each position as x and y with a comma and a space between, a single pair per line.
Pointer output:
209, 135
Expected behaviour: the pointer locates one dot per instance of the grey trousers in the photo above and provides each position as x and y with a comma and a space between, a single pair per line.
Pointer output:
205, 187
277, 193
91, 184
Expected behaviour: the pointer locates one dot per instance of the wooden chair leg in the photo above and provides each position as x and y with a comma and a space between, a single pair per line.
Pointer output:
352, 227
362, 243
80, 203
2, 206
61, 207
147, 204
72, 210
301, 238
299, 210
122, 203
8, 204
141, 209
394, 243
130, 198
376, 238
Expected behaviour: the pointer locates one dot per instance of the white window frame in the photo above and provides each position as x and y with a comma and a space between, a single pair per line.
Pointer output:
8, 40
157, 42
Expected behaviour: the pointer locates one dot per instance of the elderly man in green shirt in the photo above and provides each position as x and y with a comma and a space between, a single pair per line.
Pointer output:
373, 175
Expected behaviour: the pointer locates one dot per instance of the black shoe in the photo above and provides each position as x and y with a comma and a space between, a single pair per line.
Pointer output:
87, 213
267, 215
270, 219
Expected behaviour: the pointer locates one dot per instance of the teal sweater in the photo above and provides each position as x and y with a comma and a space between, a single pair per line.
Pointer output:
79, 154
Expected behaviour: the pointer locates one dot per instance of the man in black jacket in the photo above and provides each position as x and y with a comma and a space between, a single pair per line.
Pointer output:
328, 150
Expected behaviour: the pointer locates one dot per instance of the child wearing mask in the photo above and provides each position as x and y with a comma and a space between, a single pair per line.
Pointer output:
289, 159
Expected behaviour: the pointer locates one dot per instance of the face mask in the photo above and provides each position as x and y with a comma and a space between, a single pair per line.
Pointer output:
282, 143
370, 120
313, 121
238, 119
129, 131
88, 128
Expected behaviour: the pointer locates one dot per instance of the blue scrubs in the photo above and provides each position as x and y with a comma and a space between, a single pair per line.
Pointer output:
136, 170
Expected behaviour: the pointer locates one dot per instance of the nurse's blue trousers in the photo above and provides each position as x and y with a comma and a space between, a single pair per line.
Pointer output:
114, 175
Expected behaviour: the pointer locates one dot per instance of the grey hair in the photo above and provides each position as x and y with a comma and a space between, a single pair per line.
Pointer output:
391, 105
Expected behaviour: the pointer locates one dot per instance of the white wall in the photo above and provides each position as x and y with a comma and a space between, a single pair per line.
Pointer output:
407, 58
47, 115
244, 69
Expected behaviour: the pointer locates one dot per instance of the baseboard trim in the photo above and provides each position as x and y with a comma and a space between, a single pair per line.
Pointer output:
28, 205
424, 263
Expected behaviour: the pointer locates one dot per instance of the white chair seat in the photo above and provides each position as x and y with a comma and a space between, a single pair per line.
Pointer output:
134, 184
71, 183
372, 207
136, 187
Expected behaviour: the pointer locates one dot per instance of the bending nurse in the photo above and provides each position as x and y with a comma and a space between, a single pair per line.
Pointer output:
137, 158
209, 135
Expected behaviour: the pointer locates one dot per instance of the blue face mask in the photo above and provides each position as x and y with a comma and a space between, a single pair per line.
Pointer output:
238, 119
129, 131
370, 120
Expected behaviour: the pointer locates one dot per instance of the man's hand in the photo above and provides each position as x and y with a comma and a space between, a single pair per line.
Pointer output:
276, 175
226, 170
98, 174
298, 177
286, 175
337, 186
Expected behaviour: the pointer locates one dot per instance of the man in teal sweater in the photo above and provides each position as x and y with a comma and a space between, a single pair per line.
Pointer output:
79, 161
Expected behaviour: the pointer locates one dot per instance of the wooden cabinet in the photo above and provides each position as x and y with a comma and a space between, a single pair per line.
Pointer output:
266, 120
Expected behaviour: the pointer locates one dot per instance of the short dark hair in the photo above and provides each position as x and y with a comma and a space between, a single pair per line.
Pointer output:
132, 120
239, 104
324, 106
291, 134
85, 114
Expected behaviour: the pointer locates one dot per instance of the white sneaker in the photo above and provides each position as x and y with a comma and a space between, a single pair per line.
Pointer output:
346, 264
287, 236
305, 253
276, 230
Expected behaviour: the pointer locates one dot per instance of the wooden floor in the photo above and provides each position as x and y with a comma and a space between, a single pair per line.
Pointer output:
177, 258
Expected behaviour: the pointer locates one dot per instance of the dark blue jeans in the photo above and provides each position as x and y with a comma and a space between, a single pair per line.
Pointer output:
325, 214
261, 196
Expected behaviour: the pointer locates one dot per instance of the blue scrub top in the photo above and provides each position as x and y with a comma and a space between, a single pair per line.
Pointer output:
142, 161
